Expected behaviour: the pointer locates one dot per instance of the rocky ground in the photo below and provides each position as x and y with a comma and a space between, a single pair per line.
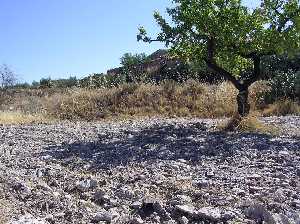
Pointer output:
149, 171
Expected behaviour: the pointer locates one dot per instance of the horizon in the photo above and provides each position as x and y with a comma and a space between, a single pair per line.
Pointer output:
60, 38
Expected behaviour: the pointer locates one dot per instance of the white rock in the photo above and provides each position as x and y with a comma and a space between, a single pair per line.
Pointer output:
187, 209
28, 219
136, 205
183, 220
201, 183
210, 214
136, 220
254, 177
87, 184
180, 200
102, 216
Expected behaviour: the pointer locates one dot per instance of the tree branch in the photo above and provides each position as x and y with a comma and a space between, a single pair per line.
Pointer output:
225, 74
211, 46
256, 71
283, 19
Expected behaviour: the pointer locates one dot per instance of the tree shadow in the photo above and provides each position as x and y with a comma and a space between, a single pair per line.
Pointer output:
191, 142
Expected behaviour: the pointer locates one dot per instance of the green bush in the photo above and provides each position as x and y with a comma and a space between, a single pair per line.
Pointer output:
284, 84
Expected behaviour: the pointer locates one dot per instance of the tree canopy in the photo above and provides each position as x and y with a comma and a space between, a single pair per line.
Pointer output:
129, 59
228, 36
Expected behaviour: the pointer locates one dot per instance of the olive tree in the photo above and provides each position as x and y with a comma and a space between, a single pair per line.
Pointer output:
229, 37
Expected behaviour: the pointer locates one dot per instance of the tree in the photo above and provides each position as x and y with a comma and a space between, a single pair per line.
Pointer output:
129, 61
229, 37
46, 83
65, 83
7, 77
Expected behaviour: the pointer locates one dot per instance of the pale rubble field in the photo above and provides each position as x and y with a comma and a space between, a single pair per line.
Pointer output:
153, 170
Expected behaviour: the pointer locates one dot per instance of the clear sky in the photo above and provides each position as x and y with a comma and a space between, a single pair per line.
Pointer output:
59, 38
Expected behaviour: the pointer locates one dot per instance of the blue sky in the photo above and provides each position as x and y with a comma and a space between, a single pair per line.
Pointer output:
59, 38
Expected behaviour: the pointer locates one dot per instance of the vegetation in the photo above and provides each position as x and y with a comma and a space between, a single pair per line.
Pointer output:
129, 59
216, 59
230, 38
99, 96
128, 62
7, 77
191, 98
283, 74
14, 117
248, 124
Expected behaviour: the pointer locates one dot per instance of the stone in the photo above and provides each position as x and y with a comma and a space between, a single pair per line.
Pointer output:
136, 205
279, 196
100, 197
151, 206
136, 220
183, 220
254, 189
126, 172
187, 209
210, 174
258, 213
180, 200
298, 171
39, 173
239, 192
156, 219
102, 216
210, 214
28, 219
228, 215
23, 190
283, 153
281, 219
87, 184
42, 185
254, 177
201, 183
125, 193
296, 204
170, 222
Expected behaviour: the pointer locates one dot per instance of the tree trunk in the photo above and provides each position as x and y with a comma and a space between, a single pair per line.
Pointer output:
242, 102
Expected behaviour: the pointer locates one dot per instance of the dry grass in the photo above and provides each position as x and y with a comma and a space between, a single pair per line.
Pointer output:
282, 107
168, 99
248, 124
20, 118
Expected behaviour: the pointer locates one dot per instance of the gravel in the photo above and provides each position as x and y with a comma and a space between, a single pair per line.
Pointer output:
150, 171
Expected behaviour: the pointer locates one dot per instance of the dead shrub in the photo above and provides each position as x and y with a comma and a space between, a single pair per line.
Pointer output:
248, 124
282, 107
191, 98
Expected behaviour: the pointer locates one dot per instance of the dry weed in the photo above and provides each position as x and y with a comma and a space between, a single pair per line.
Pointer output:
169, 99
282, 107
248, 124
9, 117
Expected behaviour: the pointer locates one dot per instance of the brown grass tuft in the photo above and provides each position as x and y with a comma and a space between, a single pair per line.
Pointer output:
170, 99
8, 117
248, 124
282, 107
